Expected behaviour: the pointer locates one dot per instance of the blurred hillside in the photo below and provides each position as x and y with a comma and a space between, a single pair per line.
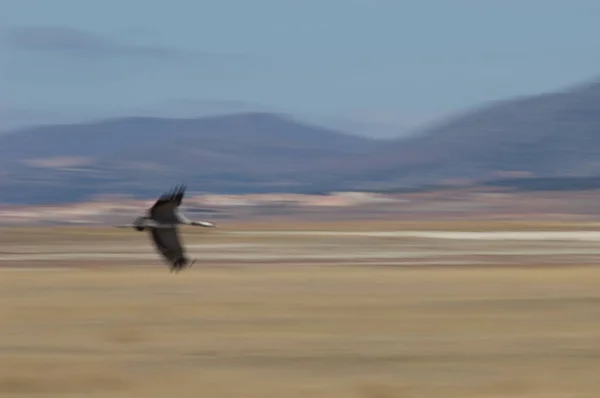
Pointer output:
546, 141
553, 137
246, 152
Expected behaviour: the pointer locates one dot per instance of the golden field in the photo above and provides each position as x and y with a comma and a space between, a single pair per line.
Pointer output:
262, 315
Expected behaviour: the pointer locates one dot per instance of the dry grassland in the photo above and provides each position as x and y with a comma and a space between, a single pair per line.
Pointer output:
311, 330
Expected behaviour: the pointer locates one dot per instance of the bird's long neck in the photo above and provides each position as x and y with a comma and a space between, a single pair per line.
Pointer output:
183, 219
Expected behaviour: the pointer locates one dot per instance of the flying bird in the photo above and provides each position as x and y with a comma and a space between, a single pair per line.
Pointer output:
162, 221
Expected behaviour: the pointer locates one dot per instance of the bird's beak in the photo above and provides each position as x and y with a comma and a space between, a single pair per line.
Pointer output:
206, 224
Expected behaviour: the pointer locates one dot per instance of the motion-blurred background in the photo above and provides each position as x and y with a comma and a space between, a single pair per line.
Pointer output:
394, 99
407, 196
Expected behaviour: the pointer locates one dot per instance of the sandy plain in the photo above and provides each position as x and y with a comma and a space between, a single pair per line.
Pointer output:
374, 310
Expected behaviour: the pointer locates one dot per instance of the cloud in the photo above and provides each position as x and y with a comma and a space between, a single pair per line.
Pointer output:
78, 43
75, 58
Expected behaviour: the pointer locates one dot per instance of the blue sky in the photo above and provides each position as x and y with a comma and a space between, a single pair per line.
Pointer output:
402, 63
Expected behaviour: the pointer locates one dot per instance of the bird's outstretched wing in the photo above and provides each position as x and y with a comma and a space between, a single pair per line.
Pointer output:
166, 241
164, 209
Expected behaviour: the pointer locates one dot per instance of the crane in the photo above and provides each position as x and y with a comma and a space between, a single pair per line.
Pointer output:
162, 221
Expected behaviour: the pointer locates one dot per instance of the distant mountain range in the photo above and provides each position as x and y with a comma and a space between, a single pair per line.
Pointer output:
549, 139
548, 135
541, 137
246, 152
